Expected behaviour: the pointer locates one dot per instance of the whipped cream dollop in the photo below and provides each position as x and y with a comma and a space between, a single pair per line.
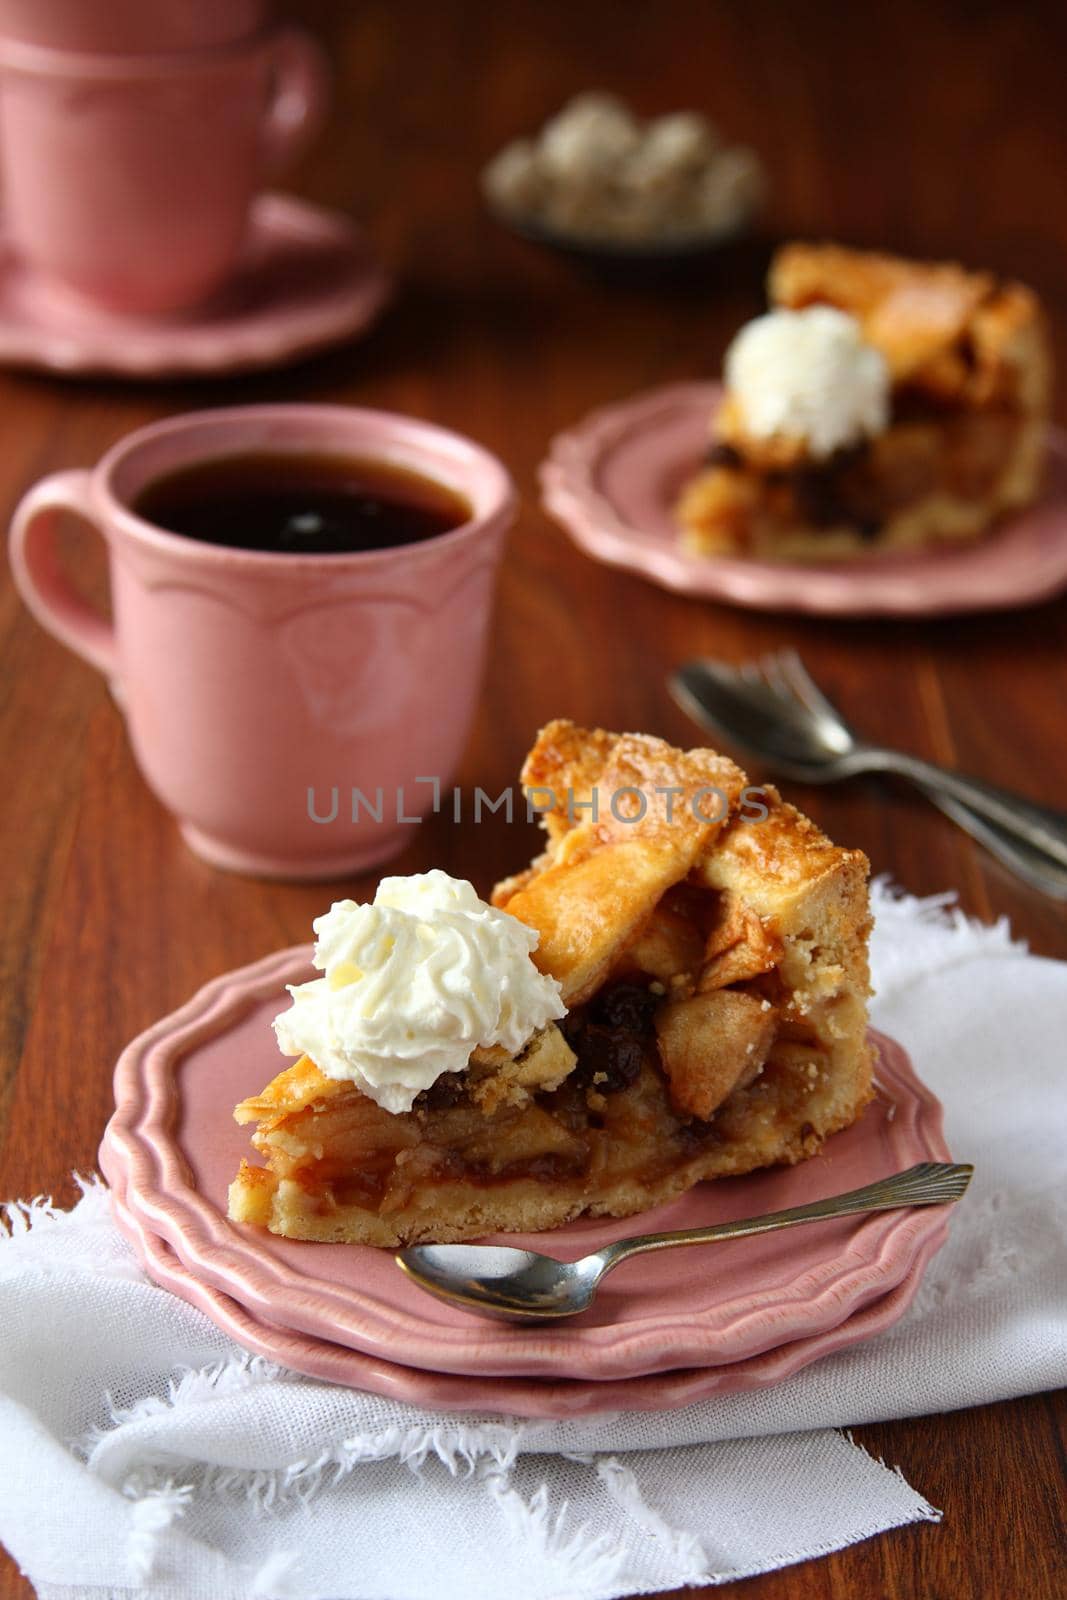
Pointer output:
808, 375
412, 984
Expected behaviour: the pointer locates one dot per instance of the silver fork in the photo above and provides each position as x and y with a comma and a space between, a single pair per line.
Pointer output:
776, 712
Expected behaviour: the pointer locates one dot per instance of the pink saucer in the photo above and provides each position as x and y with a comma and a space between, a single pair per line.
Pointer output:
172, 1148
309, 280
612, 482
518, 1397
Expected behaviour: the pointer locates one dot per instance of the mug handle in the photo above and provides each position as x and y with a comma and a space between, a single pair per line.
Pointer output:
39, 576
300, 95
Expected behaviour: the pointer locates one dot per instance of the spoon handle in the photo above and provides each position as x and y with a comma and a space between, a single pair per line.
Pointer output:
1034, 867
931, 1183
1039, 827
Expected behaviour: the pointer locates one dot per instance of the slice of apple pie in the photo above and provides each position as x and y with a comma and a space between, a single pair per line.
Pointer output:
880, 404
695, 1006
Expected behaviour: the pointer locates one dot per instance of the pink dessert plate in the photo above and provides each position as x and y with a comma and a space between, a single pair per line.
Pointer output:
172, 1148
518, 1397
613, 480
309, 280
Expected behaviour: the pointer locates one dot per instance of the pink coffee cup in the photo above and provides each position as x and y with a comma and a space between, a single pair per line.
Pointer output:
261, 690
129, 179
139, 26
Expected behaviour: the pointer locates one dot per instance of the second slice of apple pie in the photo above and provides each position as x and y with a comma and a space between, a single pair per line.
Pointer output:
881, 404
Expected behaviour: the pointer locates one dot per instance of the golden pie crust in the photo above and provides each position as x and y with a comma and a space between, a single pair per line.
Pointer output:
970, 364
715, 973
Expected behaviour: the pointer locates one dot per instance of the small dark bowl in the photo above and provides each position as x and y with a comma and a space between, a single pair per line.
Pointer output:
633, 263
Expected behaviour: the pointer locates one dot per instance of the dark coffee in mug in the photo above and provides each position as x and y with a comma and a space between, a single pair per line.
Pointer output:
301, 504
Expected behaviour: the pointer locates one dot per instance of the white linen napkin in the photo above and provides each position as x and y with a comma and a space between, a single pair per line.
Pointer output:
143, 1451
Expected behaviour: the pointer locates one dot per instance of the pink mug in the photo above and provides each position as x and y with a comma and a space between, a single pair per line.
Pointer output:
129, 179
297, 713
140, 26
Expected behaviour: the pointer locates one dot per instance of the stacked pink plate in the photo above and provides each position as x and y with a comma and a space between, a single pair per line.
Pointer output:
667, 1328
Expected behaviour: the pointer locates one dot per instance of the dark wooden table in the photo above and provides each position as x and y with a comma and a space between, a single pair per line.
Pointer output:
932, 130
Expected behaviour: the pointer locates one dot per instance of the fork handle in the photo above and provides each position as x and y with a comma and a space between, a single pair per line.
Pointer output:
931, 1183
1039, 827
1032, 866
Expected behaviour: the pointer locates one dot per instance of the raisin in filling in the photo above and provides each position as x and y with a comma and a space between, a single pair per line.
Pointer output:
722, 454
449, 1090
611, 1037
840, 490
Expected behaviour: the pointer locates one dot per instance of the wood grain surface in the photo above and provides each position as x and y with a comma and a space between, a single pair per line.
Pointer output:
930, 129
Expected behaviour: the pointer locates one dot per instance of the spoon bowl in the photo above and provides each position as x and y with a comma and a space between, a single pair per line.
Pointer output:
516, 1285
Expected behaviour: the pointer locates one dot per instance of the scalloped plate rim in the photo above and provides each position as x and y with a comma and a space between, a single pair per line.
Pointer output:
523, 1397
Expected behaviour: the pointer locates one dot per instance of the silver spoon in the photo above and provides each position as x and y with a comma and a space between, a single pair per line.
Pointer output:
775, 711
523, 1286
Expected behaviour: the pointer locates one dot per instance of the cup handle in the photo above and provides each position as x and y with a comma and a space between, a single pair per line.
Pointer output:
298, 103
39, 576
